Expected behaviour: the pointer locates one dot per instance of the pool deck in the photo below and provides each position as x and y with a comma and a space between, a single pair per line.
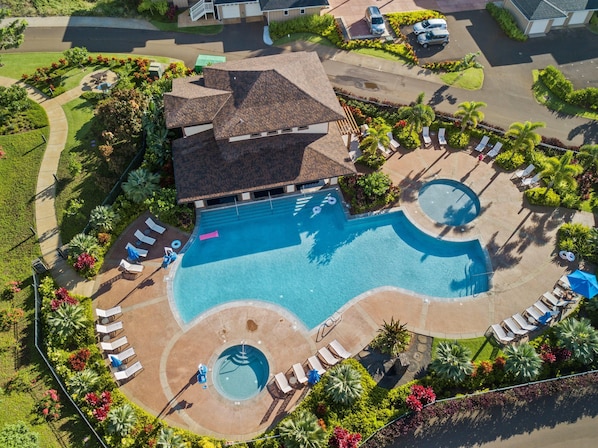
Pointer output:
519, 240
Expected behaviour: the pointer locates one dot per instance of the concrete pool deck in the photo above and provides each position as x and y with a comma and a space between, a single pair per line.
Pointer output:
519, 240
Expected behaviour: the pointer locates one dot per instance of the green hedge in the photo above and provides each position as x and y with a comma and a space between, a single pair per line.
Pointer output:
539, 196
506, 21
559, 85
509, 161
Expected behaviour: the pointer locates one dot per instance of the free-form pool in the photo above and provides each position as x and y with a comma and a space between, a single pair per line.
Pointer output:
240, 372
449, 202
313, 262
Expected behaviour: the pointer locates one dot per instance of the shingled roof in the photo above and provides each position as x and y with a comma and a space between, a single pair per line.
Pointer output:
277, 5
206, 169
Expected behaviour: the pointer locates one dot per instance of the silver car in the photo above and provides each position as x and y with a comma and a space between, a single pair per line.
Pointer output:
429, 24
433, 37
375, 20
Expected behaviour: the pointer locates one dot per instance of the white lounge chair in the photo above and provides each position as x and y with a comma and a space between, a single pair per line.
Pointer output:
131, 268
315, 364
384, 150
501, 335
495, 150
542, 307
339, 350
525, 172
155, 227
514, 327
327, 356
106, 314
282, 383
111, 346
128, 372
482, 145
441, 137
124, 355
299, 373
144, 238
141, 252
564, 282
393, 143
551, 300
523, 323
531, 181
110, 328
426, 136
534, 313
364, 128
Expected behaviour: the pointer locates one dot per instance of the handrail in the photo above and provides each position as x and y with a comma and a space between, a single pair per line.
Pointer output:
270, 199
236, 207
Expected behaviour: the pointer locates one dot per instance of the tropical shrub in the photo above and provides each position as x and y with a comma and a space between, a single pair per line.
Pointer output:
344, 384
457, 140
341, 438
506, 21
302, 431
79, 359
578, 336
140, 185
420, 396
65, 322
452, 362
408, 139
556, 82
49, 406
82, 243
510, 160
543, 196
522, 362
79, 384
393, 338
99, 405
102, 218
574, 237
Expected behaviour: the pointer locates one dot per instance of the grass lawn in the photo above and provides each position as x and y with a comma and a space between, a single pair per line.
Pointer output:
470, 79
482, 348
552, 102
379, 54
593, 25
306, 37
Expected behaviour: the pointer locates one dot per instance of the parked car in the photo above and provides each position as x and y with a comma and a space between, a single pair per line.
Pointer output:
433, 37
429, 24
375, 20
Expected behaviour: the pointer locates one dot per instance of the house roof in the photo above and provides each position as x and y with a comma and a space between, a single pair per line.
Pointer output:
205, 169
575, 5
538, 9
273, 5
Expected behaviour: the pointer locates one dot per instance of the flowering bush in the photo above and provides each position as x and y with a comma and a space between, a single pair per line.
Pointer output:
62, 296
78, 360
100, 405
341, 438
550, 354
84, 263
50, 405
9, 317
420, 396
13, 287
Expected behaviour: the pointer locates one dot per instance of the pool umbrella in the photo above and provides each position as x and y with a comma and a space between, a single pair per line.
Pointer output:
313, 376
115, 361
132, 254
583, 283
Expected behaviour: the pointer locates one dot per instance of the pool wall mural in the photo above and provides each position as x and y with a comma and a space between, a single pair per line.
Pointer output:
313, 263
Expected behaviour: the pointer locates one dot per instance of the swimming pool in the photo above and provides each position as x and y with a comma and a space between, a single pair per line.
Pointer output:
449, 202
310, 263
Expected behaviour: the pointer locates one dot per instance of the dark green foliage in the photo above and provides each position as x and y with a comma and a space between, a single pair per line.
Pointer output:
539, 196
559, 85
458, 140
509, 161
12, 35
506, 21
18, 435
393, 338
408, 140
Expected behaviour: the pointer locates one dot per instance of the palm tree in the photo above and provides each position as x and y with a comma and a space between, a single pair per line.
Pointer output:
580, 337
589, 154
344, 384
121, 420
418, 115
302, 432
140, 185
66, 321
102, 218
469, 113
393, 338
453, 361
522, 361
525, 137
377, 134
80, 383
561, 172
168, 439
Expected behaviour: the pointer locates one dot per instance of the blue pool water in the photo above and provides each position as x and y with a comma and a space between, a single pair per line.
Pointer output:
449, 202
313, 263
240, 372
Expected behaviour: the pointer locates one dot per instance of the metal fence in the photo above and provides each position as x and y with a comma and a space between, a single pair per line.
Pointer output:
40, 350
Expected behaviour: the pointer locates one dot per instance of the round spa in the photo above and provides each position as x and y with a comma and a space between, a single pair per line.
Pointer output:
449, 202
240, 372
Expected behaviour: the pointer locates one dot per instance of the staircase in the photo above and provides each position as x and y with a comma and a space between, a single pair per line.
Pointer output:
200, 9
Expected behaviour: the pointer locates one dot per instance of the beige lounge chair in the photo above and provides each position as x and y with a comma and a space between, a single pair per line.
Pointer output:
155, 227
110, 328
339, 350
542, 307
327, 357
482, 145
144, 238
299, 373
128, 372
441, 137
141, 252
110, 312
426, 136
534, 313
282, 383
131, 268
501, 335
315, 364
112, 346
523, 323
514, 327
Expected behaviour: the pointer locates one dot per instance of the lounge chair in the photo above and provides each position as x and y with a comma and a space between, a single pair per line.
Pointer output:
384, 150
563, 282
315, 364
525, 172
299, 373
550, 299
155, 227
128, 372
426, 136
282, 383
441, 137
514, 327
141, 252
523, 323
531, 181
482, 145
110, 312
495, 150
144, 238
542, 307
112, 346
124, 355
393, 143
131, 268
110, 328
327, 357
534, 313
339, 350
501, 335
364, 130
